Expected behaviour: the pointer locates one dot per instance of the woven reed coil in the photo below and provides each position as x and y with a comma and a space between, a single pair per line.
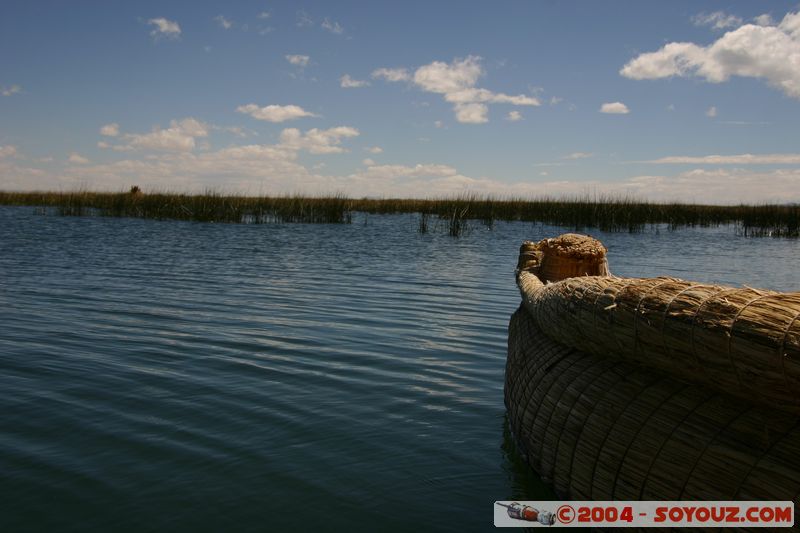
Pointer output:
600, 428
741, 341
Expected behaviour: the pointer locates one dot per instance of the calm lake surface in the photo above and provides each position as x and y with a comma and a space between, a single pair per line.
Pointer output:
183, 376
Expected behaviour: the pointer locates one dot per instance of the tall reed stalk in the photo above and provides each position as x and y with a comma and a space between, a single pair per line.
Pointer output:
583, 212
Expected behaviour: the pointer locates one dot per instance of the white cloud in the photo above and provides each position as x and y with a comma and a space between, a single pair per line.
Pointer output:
110, 130
514, 116
332, 26
318, 141
578, 155
276, 169
456, 82
391, 74
8, 151
233, 130
444, 78
554, 100
472, 113
718, 20
303, 20
716, 186
349, 83
223, 22
8, 91
769, 52
764, 20
298, 60
417, 171
236, 168
473, 95
263, 15
77, 159
368, 162
438, 124
180, 136
164, 28
739, 159
614, 108
275, 113
374, 149
711, 112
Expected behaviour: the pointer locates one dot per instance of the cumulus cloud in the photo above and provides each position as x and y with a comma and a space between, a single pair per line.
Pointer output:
716, 186
8, 91
180, 136
223, 22
164, 28
578, 155
472, 113
374, 149
614, 108
276, 169
739, 159
110, 130
717, 20
332, 26
711, 112
764, 20
8, 151
275, 113
768, 52
298, 60
391, 74
444, 78
514, 116
243, 168
317, 141
349, 83
457, 81
77, 159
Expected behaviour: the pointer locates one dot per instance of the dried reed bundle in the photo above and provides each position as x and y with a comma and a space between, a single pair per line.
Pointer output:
741, 341
601, 428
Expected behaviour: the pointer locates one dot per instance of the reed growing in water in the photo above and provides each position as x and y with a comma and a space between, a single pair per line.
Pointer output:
454, 213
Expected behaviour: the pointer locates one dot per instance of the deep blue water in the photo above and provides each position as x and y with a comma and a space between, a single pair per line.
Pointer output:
162, 375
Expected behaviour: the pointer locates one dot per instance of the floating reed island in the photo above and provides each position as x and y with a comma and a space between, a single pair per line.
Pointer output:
651, 388
450, 215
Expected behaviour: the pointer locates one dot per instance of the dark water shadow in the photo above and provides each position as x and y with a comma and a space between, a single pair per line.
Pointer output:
523, 482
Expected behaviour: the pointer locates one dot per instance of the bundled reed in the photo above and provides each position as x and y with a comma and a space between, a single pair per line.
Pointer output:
600, 428
741, 341
651, 389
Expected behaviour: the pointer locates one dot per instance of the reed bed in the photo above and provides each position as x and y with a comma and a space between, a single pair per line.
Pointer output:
453, 213
207, 207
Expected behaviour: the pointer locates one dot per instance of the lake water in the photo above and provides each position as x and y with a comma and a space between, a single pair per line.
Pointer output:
161, 375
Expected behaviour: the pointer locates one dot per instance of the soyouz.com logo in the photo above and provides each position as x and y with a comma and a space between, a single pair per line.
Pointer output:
644, 514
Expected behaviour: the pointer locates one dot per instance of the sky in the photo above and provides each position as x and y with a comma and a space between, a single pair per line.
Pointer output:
685, 101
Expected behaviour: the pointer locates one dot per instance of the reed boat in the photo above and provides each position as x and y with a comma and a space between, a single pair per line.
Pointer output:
651, 388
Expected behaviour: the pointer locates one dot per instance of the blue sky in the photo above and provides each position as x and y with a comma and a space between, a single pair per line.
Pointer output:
689, 101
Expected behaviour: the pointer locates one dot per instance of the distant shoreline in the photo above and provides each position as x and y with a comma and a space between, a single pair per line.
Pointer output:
607, 213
